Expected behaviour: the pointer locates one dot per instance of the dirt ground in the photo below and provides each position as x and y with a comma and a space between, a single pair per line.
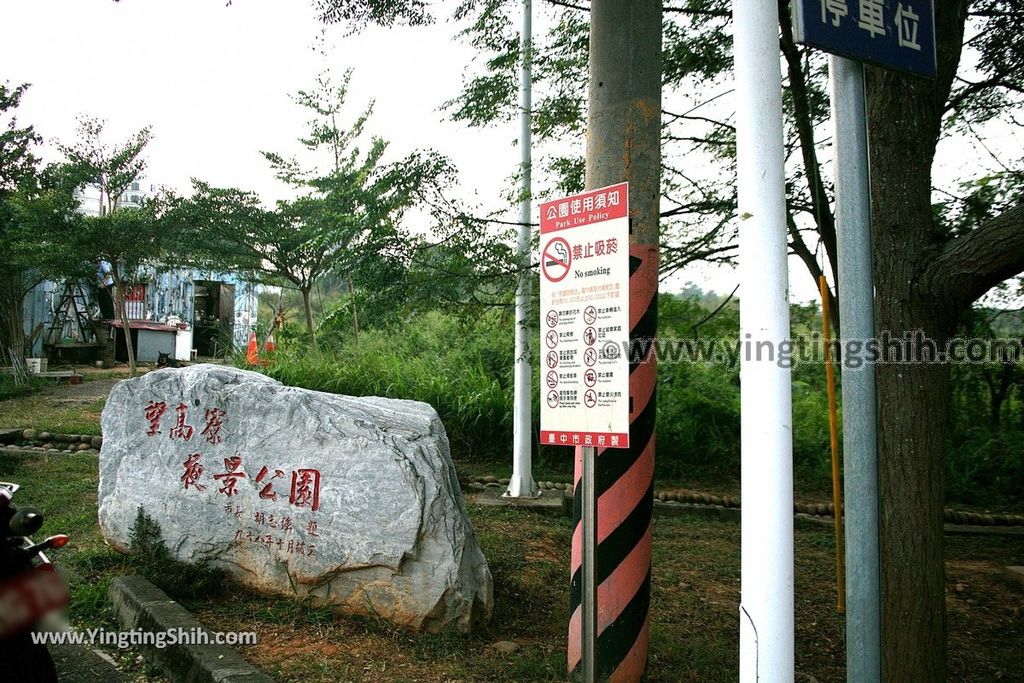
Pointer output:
695, 591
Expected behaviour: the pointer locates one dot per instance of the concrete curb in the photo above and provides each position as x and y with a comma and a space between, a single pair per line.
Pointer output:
141, 605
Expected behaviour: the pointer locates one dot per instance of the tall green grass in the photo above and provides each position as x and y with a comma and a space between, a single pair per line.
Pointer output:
463, 369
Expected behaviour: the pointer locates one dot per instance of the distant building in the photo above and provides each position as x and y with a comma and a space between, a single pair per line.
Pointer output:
90, 200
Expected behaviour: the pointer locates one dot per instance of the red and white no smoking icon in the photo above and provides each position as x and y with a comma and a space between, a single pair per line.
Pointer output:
556, 259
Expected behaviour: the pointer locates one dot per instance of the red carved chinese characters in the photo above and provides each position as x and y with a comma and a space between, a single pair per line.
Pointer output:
180, 429
193, 470
268, 491
305, 489
230, 477
154, 411
214, 421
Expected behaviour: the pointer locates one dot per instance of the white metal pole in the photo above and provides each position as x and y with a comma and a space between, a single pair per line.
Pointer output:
766, 602
521, 484
857, 313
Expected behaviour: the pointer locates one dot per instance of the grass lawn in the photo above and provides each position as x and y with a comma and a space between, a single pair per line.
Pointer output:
695, 593
58, 407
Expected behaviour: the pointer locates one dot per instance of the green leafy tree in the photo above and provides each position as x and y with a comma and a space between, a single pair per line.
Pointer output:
348, 207
18, 175
30, 198
127, 238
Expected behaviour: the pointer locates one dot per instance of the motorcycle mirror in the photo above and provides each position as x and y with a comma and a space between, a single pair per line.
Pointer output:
26, 521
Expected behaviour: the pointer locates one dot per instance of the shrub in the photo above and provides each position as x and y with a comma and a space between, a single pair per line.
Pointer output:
151, 558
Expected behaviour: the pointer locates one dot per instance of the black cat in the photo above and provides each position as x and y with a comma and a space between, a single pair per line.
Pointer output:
165, 360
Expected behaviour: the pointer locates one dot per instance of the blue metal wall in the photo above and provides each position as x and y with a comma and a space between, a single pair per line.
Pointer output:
169, 292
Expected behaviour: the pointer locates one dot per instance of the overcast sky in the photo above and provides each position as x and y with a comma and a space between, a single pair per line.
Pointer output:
215, 81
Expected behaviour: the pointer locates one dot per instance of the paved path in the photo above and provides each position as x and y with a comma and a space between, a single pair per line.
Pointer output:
81, 664
97, 385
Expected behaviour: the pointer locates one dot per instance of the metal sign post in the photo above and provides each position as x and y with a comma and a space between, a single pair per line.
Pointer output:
589, 624
584, 298
856, 310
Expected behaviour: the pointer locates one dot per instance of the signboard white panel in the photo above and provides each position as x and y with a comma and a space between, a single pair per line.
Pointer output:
584, 319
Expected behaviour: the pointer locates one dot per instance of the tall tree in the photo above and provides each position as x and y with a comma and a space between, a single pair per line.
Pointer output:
112, 169
348, 209
925, 279
926, 273
30, 198
18, 175
124, 237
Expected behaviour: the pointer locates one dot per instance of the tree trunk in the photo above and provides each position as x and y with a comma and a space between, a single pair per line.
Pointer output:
999, 384
355, 318
12, 333
308, 308
904, 124
123, 315
912, 422
912, 409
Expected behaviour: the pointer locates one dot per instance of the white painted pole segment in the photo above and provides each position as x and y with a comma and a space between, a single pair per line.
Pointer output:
521, 484
766, 601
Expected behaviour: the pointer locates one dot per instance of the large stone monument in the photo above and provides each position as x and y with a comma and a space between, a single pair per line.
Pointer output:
346, 501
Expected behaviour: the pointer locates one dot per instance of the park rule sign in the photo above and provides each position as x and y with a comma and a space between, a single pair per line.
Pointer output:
584, 319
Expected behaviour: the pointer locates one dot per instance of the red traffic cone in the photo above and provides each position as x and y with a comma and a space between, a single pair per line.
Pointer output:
268, 348
252, 355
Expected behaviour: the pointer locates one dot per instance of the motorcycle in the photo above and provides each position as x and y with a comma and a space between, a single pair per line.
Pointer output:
30, 589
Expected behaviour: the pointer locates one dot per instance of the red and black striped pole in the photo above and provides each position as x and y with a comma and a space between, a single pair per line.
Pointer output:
624, 144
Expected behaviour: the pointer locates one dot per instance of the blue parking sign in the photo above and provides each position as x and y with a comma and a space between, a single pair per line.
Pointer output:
895, 34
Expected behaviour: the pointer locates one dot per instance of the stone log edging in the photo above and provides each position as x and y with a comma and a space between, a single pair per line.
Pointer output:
683, 496
51, 442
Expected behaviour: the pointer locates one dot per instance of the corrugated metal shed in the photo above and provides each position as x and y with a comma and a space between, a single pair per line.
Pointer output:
168, 293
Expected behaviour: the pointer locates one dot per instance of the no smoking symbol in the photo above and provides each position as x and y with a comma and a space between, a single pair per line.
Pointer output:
556, 259
590, 315
552, 379
590, 398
